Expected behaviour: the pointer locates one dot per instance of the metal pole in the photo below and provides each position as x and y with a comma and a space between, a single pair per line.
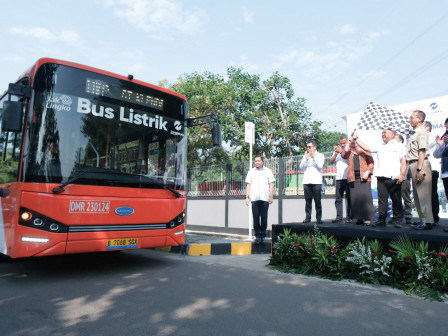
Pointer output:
281, 187
250, 203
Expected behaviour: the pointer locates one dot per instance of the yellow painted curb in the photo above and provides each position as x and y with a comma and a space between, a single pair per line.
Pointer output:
163, 249
200, 249
241, 248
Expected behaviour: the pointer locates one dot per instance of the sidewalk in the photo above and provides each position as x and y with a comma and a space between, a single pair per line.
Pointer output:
201, 243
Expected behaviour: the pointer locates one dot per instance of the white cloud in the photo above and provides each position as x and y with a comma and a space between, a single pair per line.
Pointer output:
138, 68
70, 37
35, 32
159, 18
328, 60
289, 56
44, 35
244, 63
248, 16
345, 29
15, 58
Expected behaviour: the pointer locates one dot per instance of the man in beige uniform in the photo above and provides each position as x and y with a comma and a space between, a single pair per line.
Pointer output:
420, 170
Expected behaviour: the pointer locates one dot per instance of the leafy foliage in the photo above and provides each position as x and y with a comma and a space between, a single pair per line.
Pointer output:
406, 264
314, 254
327, 140
283, 123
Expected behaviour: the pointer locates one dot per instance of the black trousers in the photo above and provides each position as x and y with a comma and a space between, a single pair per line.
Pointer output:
435, 196
341, 188
388, 187
313, 191
445, 185
260, 216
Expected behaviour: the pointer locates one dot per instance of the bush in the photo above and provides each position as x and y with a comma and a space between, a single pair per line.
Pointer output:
405, 265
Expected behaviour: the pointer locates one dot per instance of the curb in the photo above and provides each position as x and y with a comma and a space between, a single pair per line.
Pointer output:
237, 248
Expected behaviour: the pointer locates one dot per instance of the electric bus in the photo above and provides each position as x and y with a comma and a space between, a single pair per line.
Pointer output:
90, 161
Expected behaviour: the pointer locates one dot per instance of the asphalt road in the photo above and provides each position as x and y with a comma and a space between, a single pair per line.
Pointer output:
145, 292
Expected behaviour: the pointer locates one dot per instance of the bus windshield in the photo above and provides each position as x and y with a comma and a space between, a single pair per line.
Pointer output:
103, 131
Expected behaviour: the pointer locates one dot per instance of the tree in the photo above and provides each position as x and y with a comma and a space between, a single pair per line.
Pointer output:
283, 123
206, 95
327, 140
288, 120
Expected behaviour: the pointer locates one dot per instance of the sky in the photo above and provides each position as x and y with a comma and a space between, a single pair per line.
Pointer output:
339, 55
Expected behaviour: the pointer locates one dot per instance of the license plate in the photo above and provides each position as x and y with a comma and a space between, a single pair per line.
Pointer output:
124, 243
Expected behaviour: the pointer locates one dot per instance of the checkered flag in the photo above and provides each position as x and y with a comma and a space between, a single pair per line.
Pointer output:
376, 117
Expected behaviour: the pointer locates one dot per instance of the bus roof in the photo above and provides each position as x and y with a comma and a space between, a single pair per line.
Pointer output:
33, 69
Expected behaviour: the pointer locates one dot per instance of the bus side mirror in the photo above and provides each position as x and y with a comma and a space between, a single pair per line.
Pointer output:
12, 116
216, 134
4, 192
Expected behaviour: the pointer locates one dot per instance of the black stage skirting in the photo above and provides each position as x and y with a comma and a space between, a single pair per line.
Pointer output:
346, 233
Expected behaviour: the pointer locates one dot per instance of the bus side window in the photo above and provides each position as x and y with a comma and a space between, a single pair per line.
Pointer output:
10, 146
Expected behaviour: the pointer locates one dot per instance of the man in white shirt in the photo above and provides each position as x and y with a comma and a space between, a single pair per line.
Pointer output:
406, 190
341, 182
390, 170
435, 168
312, 163
260, 192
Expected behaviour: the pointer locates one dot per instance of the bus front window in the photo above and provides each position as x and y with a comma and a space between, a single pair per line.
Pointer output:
80, 123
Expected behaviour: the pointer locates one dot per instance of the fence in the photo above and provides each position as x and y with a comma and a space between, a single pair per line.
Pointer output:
213, 181
216, 194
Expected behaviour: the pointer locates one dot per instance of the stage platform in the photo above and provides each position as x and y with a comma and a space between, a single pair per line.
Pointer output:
346, 232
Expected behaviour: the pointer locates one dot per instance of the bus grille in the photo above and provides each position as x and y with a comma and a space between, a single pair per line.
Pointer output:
95, 228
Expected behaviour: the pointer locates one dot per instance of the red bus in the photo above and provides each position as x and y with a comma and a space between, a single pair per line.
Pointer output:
90, 161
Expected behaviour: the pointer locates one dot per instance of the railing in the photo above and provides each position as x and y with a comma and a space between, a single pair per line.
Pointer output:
213, 181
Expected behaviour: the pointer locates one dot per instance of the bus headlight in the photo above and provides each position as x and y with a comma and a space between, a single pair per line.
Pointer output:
38, 221
176, 221
26, 216
54, 227
35, 240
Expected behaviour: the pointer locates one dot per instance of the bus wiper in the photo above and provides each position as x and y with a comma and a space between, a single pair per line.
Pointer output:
152, 183
60, 188
164, 186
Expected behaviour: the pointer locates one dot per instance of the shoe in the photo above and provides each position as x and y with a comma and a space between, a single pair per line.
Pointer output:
359, 222
409, 221
379, 223
367, 223
445, 229
436, 223
257, 240
306, 220
348, 220
422, 226
319, 222
337, 220
393, 220
398, 226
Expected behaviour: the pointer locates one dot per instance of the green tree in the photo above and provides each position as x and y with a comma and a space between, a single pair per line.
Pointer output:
327, 140
206, 94
283, 123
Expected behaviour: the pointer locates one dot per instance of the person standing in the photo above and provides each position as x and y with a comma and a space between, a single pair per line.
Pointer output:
260, 192
420, 170
390, 170
435, 168
312, 164
406, 190
360, 168
341, 182
441, 152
